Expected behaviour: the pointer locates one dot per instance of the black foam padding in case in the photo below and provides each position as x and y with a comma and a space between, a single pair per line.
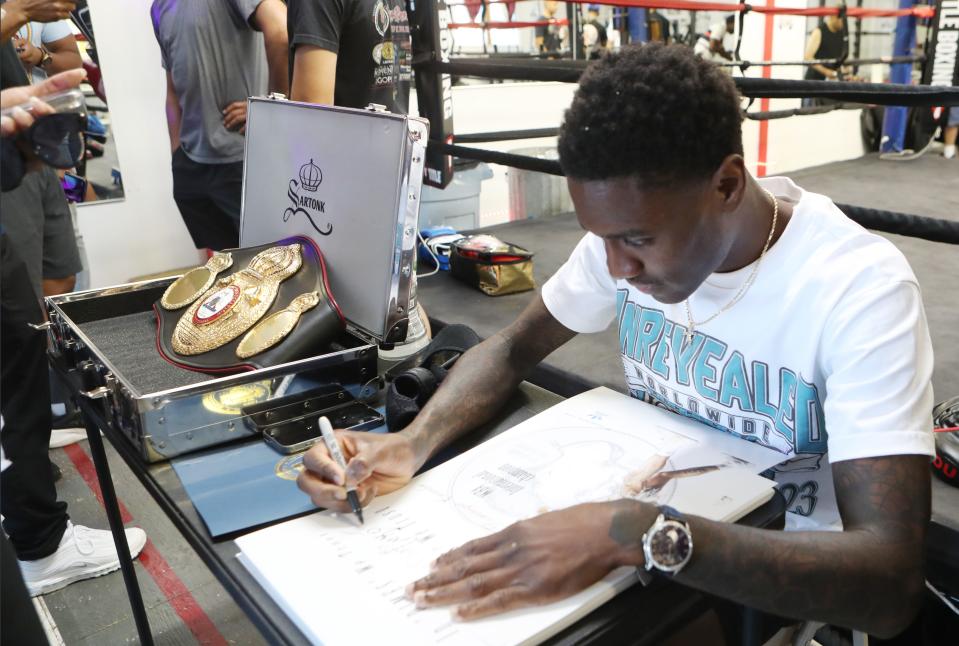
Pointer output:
129, 343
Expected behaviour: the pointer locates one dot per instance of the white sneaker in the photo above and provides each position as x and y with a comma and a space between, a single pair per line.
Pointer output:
949, 152
83, 553
66, 436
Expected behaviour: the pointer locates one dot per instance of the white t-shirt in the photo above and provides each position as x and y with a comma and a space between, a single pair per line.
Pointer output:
716, 32
43, 33
831, 335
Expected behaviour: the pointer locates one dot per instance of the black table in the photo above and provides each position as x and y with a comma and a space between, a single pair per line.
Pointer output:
591, 360
637, 616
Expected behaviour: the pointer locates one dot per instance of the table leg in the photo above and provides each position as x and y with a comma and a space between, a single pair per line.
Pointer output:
116, 524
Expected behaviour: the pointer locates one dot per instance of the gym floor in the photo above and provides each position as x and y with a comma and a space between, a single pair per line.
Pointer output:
186, 605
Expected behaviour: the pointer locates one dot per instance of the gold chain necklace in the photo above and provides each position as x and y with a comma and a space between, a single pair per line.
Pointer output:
691, 328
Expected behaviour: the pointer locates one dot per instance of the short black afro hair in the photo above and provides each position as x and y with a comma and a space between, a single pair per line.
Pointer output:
655, 112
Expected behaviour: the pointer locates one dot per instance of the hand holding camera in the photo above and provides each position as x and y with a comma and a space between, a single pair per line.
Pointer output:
21, 106
42, 123
39, 10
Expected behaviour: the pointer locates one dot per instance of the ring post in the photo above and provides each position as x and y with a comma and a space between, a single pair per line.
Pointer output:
636, 21
894, 118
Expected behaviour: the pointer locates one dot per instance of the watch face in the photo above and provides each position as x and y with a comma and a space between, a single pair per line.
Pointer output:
670, 545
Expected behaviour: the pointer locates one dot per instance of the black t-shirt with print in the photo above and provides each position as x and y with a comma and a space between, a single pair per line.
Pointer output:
551, 35
372, 41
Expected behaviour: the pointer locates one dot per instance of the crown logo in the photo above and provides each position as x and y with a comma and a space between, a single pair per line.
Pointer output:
310, 176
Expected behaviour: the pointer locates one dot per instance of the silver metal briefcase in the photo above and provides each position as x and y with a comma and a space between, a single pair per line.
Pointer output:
348, 179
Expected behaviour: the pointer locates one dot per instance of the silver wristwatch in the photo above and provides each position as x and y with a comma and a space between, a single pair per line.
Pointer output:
668, 543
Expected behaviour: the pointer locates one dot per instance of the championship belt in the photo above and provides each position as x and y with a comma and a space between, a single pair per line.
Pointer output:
276, 326
275, 309
235, 303
188, 287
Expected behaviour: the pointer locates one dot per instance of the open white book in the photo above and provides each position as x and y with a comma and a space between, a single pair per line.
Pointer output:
342, 583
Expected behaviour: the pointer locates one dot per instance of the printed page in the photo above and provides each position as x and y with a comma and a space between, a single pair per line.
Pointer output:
332, 575
345, 584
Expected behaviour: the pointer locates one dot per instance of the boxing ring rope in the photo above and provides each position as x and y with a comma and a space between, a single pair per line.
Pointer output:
906, 224
923, 11
568, 71
848, 95
879, 60
506, 135
854, 92
768, 115
741, 9
744, 64
562, 22
539, 133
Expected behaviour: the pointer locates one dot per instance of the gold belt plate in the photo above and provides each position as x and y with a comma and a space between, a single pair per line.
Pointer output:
188, 287
236, 302
275, 327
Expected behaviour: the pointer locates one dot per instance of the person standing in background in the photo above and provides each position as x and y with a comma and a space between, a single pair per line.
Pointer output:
949, 135
595, 37
351, 53
36, 215
51, 551
216, 55
718, 46
828, 40
657, 26
551, 39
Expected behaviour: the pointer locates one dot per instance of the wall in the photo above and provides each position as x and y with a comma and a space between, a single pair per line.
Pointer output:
781, 145
506, 106
771, 147
143, 233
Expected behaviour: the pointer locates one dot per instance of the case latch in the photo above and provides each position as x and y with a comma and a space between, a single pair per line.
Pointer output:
276, 96
97, 393
376, 107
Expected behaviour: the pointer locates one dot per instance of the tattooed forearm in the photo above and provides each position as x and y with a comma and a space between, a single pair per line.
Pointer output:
483, 379
868, 576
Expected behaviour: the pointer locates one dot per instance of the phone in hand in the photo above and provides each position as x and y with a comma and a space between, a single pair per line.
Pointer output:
74, 187
67, 101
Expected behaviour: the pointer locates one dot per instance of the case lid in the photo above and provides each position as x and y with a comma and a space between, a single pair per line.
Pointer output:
350, 180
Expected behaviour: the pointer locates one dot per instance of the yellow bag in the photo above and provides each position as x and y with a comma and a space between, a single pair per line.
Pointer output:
491, 265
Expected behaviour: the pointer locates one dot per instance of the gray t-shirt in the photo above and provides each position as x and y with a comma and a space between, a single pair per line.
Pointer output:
214, 58
37, 219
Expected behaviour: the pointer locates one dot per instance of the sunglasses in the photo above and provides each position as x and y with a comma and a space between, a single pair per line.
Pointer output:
56, 139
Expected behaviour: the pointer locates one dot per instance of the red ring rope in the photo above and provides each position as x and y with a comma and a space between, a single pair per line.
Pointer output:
506, 25
853, 12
